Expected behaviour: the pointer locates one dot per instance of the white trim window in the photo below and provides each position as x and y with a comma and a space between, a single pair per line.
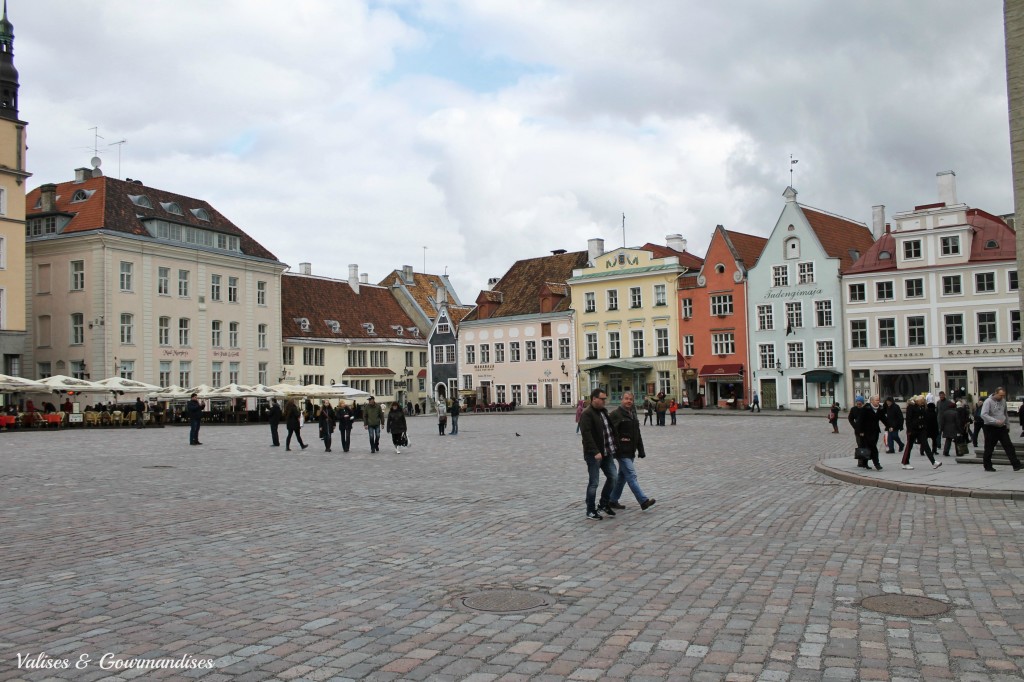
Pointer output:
826, 354
950, 245
766, 317
614, 345
723, 343
823, 313
659, 295
805, 273
77, 274
721, 305
127, 272
637, 336
766, 355
780, 275
795, 353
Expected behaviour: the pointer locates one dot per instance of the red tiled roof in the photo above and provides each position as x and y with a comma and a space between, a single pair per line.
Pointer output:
747, 246
839, 236
318, 299
685, 257
423, 289
110, 208
518, 291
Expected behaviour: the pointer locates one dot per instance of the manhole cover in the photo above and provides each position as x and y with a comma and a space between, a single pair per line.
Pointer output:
905, 605
158, 466
506, 601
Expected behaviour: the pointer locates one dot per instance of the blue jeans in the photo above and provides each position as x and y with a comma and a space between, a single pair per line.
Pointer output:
374, 433
894, 438
627, 474
193, 431
455, 424
594, 469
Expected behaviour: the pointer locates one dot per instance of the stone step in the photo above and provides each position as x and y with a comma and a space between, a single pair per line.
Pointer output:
996, 460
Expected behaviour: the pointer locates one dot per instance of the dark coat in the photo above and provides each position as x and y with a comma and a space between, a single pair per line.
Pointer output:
894, 415
868, 421
940, 409
275, 414
194, 409
950, 423
396, 422
628, 439
326, 420
917, 419
854, 415
345, 416
932, 423
291, 415
592, 430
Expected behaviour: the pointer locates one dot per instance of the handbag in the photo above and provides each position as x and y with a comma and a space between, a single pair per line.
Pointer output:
961, 449
862, 454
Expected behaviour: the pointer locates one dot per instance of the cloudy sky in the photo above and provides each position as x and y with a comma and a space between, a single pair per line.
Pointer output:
348, 131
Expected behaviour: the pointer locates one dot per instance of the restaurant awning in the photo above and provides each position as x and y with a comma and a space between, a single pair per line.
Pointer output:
821, 376
422, 374
628, 365
726, 371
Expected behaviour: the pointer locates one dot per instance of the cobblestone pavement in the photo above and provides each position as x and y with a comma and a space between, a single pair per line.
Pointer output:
306, 565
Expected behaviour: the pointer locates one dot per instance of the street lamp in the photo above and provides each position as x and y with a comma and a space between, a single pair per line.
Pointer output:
778, 366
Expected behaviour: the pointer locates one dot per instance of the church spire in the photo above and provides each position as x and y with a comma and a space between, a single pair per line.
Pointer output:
8, 74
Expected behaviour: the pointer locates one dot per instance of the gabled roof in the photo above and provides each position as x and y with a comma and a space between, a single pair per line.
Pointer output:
319, 299
423, 290
110, 207
685, 257
747, 247
839, 236
520, 287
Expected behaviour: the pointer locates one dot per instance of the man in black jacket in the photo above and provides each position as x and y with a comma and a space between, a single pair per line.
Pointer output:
275, 419
894, 415
868, 429
195, 417
598, 452
628, 443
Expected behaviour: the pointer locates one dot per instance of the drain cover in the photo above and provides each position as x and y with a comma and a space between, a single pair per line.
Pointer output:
905, 605
158, 466
506, 601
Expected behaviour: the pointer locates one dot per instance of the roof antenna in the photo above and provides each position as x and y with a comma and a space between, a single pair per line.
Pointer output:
118, 145
96, 140
623, 230
792, 162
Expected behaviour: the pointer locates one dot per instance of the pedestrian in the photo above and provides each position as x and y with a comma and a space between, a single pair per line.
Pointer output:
373, 417
327, 424
598, 453
997, 429
275, 419
648, 410
344, 417
868, 429
949, 426
580, 406
396, 427
933, 422
194, 408
917, 432
442, 416
894, 415
854, 419
941, 405
755, 403
628, 443
833, 417
673, 406
140, 413
293, 424
978, 423
660, 407
455, 416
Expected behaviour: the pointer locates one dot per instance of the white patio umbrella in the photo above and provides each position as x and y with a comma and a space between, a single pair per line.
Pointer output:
60, 383
316, 391
120, 385
203, 390
261, 391
240, 391
170, 393
9, 384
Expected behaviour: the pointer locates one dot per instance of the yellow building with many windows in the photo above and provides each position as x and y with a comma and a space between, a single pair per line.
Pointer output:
627, 325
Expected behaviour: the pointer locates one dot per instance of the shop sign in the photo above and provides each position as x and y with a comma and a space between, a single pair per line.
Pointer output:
483, 368
903, 355
963, 352
793, 293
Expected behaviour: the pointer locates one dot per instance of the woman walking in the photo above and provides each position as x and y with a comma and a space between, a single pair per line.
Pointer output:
345, 416
442, 416
833, 417
917, 432
396, 427
291, 420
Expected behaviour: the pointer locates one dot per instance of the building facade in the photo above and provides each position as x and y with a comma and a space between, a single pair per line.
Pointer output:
518, 344
797, 349
134, 281
933, 305
627, 330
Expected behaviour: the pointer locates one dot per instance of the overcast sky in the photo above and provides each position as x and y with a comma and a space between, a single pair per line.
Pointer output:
346, 131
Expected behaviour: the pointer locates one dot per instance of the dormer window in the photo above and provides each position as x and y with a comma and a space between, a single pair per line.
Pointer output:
720, 269
172, 207
792, 248
884, 255
991, 244
201, 214
81, 195
368, 326
415, 331
303, 323
334, 325
141, 200
39, 204
398, 329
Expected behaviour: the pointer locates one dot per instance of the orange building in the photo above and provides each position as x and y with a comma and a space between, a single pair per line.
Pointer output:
713, 321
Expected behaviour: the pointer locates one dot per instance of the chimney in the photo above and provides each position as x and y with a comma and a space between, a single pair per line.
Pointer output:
82, 174
353, 277
407, 274
48, 198
364, 278
878, 221
305, 268
595, 247
557, 252
676, 242
442, 295
491, 282
947, 187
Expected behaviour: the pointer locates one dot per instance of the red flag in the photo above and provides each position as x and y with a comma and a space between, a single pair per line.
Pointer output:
680, 360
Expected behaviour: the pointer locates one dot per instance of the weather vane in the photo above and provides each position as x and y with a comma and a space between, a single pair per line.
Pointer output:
792, 162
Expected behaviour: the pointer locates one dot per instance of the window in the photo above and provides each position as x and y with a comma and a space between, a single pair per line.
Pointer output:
485, 353
914, 288
77, 329
261, 293
589, 304
987, 328
912, 249
43, 278
1011, 282
687, 308
884, 291
638, 342
780, 275
766, 355
232, 290
765, 317
950, 246
723, 343
794, 315
661, 341
216, 374
384, 386
127, 269
261, 372
499, 392
563, 349
313, 357
163, 281
857, 293
357, 358
499, 352
215, 328
613, 299
1015, 325
423, 358
796, 389
438, 355
3, 256
513, 351
214, 287
164, 333
805, 273
185, 373
467, 382
233, 368
915, 331
887, 332
721, 305
951, 285
659, 295
665, 382
444, 327
823, 313
318, 380
78, 369
45, 370
77, 275
954, 328
984, 282
635, 299
795, 354
183, 329
688, 346
378, 358
261, 337
127, 328
471, 354
288, 355
858, 333
127, 369
531, 394
565, 394
233, 334
517, 394
547, 349
614, 345
165, 373
43, 331
183, 283
531, 351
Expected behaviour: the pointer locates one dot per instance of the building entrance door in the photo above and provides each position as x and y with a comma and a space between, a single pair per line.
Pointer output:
548, 395
769, 397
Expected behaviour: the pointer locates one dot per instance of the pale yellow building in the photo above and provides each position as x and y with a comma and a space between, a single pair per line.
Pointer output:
627, 325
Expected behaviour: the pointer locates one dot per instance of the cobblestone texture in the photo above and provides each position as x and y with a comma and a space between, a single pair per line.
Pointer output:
315, 566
